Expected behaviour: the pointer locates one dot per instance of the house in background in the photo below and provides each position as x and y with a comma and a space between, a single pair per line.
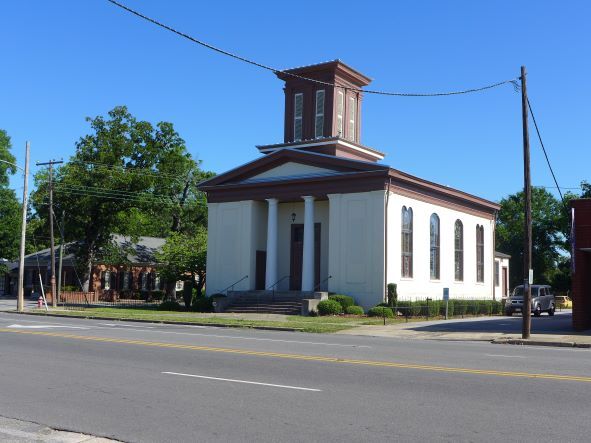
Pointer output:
320, 212
501, 275
137, 273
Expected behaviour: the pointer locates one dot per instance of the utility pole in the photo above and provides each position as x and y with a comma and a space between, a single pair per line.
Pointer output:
59, 269
527, 244
50, 163
20, 303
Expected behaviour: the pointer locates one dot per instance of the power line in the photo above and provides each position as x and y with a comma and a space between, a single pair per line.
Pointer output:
533, 117
129, 170
277, 71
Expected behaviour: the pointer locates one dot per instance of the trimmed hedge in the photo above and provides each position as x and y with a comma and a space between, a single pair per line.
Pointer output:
344, 300
380, 311
456, 307
170, 306
202, 304
329, 307
354, 310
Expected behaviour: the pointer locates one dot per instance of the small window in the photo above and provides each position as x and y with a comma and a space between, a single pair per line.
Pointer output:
497, 272
340, 107
352, 116
179, 285
107, 280
434, 252
297, 116
319, 124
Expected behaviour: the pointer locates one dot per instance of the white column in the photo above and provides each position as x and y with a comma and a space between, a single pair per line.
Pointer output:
308, 259
271, 268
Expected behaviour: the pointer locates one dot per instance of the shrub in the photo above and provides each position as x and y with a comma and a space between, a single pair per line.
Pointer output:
157, 295
329, 307
202, 304
380, 311
170, 306
354, 310
344, 300
497, 307
460, 307
313, 313
392, 294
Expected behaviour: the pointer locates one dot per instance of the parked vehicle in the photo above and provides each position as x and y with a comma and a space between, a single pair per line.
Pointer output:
542, 300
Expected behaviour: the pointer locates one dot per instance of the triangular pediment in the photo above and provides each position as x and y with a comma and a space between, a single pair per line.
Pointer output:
291, 169
291, 164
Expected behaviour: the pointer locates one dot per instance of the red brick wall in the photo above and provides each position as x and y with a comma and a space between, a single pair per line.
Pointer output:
581, 279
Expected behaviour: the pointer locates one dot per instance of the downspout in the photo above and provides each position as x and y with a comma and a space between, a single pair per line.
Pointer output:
386, 241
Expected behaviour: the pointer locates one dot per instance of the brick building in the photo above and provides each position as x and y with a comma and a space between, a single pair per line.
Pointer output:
581, 254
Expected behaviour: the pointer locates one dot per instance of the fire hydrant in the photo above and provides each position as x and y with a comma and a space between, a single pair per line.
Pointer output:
40, 302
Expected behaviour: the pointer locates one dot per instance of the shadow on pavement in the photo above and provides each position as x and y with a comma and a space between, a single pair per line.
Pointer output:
561, 324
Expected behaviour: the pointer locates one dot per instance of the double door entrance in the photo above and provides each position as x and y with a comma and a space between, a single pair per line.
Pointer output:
296, 256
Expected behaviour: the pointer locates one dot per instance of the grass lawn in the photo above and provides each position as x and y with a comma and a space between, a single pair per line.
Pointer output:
305, 324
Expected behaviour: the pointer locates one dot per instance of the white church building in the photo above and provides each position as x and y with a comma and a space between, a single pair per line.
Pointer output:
321, 212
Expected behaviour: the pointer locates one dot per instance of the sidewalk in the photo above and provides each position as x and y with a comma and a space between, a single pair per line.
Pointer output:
546, 331
18, 431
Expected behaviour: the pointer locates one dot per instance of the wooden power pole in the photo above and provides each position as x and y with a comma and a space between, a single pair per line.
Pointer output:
20, 299
50, 163
527, 243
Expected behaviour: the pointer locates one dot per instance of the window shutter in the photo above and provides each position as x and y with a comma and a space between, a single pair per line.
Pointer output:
113, 280
130, 281
297, 116
103, 280
319, 125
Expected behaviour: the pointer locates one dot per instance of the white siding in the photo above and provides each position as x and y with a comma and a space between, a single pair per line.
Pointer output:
231, 244
421, 285
356, 258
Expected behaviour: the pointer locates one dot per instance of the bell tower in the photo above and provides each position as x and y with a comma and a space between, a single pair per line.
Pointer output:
318, 110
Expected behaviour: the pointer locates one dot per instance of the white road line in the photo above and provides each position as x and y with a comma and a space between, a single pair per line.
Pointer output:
299, 388
506, 356
233, 337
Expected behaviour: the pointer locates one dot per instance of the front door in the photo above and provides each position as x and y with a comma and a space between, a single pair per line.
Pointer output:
261, 269
505, 282
297, 254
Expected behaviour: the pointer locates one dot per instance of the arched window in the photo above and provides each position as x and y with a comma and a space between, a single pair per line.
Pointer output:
459, 250
434, 261
479, 253
406, 242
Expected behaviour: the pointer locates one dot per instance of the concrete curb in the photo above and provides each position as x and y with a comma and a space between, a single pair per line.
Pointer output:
524, 342
164, 322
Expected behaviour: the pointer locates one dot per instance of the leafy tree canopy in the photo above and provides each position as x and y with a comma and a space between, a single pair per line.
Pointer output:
128, 177
10, 220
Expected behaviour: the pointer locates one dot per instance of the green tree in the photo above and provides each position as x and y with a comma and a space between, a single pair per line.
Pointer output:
10, 221
127, 176
183, 257
547, 234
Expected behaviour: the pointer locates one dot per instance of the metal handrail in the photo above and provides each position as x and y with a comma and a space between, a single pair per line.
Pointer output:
274, 285
322, 282
232, 285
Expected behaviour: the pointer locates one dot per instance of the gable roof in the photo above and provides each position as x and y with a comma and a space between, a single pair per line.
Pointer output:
337, 165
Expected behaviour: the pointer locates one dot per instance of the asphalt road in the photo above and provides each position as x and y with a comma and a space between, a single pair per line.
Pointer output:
166, 383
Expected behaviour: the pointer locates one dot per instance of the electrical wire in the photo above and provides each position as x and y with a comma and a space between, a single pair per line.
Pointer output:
544, 149
300, 77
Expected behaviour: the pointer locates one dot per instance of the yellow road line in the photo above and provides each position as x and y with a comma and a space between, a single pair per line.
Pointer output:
307, 357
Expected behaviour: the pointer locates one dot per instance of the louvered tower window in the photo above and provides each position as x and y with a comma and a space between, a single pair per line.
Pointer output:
297, 116
319, 125
352, 115
340, 108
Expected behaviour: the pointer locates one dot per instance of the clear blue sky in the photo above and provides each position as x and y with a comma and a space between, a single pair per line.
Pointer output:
65, 60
